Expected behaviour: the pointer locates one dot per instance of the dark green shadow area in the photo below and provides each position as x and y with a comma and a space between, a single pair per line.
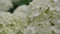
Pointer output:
21, 2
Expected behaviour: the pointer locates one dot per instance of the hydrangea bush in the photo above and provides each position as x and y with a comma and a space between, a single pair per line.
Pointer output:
39, 17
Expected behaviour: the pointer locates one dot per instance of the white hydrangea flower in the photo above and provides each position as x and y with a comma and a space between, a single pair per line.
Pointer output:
10, 22
42, 8
5, 5
22, 11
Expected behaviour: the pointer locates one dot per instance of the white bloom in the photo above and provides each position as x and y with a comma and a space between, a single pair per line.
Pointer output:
5, 5
40, 17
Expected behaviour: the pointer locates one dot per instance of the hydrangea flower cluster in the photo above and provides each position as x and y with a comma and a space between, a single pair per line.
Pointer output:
39, 17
